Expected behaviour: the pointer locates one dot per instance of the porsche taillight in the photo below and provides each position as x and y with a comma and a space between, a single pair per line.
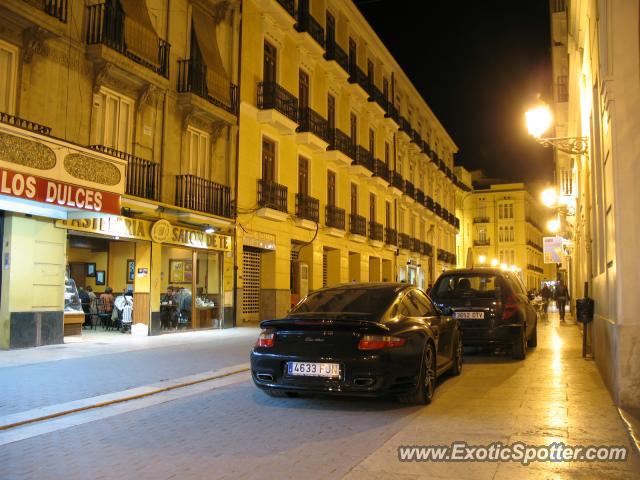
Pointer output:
266, 339
378, 342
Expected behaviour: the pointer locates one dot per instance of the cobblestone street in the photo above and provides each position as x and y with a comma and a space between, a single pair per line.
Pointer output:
238, 432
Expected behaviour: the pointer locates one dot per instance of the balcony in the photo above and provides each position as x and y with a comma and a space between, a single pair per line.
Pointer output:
416, 141
143, 176
481, 220
362, 164
416, 246
308, 25
456, 223
313, 130
203, 195
376, 233
338, 58
396, 183
288, 5
405, 127
307, 211
482, 243
444, 214
334, 220
358, 77
24, 124
272, 197
357, 227
535, 268
283, 12
442, 255
534, 245
437, 209
409, 189
430, 204
535, 224
55, 8
108, 25
392, 115
390, 237
426, 249
376, 96
404, 241
420, 196
380, 172
194, 77
278, 107
340, 152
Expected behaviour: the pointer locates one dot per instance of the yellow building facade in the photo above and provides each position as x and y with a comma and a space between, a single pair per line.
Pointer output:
502, 227
136, 104
344, 173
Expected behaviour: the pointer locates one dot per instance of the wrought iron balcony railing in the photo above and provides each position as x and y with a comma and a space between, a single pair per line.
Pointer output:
442, 255
54, 8
357, 224
426, 249
106, 25
534, 245
392, 112
397, 181
409, 189
338, 140
356, 75
456, 222
437, 208
429, 203
481, 220
380, 169
416, 245
482, 243
420, 196
203, 195
289, 6
363, 158
307, 207
405, 126
375, 95
194, 77
376, 231
272, 195
24, 124
334, 217
416, 138
335, 52
311, 121
404, 241
143, 176
306, 23
444, 213
390, 236
272, 95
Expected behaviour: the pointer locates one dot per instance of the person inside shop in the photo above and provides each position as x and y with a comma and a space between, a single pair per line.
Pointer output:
85, 302
184, 319
93, 311
168, 308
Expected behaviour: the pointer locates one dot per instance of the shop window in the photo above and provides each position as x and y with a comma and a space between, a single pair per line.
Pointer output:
8, 73
114, 120
198, 152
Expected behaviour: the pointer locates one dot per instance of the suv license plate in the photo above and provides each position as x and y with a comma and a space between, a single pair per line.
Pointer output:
470, 315
309, 369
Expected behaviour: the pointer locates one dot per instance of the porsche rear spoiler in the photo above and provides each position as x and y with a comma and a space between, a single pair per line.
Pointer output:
346, 321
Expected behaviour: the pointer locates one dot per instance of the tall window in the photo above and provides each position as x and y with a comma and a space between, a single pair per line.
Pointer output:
372, 207
8, 72
372, 142
303, 176
269, 66
354, 198
387, 154
303, 89
400, 220
331, 188
114, 126
387, 214
331, 112
354, 128
268, 160
198, 154
482, 234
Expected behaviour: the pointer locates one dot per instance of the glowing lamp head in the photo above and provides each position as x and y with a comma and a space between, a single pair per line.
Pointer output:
482, 259
549, 197
553, 225
494, 262
503, 266
539, 120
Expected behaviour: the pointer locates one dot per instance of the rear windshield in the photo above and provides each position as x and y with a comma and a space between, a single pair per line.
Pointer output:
466, 286
353, 300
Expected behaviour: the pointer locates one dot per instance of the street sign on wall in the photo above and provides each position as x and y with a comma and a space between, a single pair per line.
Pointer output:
552, 249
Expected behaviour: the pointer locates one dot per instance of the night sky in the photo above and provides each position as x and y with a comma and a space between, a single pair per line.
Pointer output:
478, 64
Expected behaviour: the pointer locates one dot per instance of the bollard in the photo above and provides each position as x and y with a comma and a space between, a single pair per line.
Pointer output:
584, 314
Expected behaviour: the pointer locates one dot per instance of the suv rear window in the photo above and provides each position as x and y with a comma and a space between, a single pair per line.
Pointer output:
466, 286
352, 300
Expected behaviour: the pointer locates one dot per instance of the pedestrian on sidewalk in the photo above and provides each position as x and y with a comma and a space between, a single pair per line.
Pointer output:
545, 293
562, 297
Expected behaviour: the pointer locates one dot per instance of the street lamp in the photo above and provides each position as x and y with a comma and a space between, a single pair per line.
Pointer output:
539, 119
549, 197
494, 262
482, 259
553, 225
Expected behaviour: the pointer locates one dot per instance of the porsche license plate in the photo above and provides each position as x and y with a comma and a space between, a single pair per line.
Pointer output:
312, 369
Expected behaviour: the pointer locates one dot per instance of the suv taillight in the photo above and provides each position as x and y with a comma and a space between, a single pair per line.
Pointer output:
378, 342
266, 339
509, 307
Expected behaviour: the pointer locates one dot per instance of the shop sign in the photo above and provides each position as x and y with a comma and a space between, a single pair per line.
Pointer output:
552, 249
161, 231
52, 192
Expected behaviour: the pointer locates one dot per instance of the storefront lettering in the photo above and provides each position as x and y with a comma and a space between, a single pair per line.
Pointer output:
42, 190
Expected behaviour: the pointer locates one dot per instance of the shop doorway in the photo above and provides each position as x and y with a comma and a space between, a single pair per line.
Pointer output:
251, 271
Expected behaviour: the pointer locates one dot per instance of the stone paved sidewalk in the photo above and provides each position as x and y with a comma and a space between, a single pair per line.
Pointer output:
61, 373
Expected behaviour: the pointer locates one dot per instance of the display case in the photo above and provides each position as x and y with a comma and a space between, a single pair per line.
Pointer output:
73, 313
207, 311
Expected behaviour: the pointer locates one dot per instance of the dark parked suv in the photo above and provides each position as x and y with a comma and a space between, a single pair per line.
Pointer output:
492, 307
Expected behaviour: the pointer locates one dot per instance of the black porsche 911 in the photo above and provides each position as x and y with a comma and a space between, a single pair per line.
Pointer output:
367, 339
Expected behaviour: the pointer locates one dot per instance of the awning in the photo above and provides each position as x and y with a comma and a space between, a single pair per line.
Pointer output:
218, 83
139, 33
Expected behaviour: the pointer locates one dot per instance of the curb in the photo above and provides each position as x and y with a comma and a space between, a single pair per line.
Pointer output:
632, 425
121, 397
